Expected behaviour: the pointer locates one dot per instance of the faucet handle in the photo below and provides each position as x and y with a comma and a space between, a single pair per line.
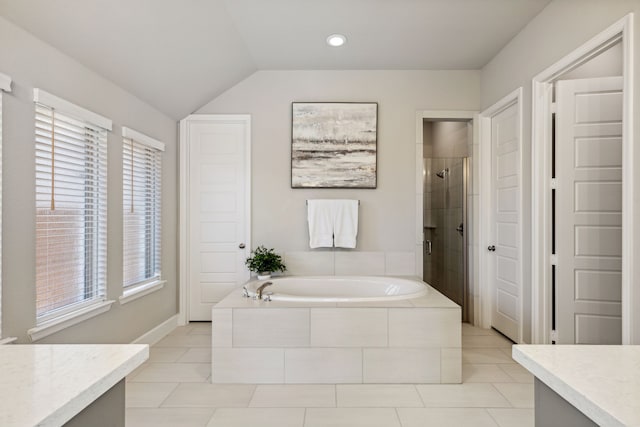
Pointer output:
245, 292
267, 296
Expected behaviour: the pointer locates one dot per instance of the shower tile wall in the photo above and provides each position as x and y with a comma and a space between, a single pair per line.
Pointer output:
443, 213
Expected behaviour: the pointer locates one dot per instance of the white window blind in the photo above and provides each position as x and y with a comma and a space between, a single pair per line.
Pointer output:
142, 176
71, 210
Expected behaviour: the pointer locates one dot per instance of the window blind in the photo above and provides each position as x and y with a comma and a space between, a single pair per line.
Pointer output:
142, 177
71, 212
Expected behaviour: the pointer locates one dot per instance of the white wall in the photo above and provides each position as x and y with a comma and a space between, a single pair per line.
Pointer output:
32, 63
388, 213
560, 28
607, 64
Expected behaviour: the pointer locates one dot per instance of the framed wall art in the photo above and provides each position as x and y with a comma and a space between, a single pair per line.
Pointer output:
334, 144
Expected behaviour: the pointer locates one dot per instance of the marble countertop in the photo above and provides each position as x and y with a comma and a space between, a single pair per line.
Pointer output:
47, 385
603, 381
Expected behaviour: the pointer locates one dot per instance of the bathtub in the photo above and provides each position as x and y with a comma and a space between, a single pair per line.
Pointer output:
340, 289
337, 330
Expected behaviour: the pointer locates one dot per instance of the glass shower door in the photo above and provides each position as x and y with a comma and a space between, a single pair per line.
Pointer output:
444, 227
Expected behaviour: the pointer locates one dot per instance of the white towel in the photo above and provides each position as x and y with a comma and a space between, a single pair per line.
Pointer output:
320, 214
345, 225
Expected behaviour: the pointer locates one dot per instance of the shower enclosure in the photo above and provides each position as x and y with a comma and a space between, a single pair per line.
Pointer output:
445, 229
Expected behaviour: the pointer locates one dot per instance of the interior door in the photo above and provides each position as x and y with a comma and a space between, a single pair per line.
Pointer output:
588, 212
506, 263
218, 209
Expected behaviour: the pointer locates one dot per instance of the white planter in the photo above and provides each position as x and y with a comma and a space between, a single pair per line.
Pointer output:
264, 275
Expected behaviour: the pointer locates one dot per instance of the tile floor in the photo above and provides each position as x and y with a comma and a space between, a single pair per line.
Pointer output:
172, 389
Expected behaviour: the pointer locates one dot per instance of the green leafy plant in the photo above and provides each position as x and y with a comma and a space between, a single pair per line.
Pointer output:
264, 260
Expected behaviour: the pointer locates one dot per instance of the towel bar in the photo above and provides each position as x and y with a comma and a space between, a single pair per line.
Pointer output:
307, 201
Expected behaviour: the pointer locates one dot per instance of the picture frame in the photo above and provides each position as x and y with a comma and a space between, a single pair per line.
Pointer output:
334, 145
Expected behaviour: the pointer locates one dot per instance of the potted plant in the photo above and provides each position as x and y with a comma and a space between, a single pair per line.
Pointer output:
265, 261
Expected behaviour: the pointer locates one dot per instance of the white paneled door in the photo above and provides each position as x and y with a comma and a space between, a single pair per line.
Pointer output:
589, 211
505, 248
218, 208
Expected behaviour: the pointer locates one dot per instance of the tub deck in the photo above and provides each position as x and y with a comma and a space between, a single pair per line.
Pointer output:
414, 340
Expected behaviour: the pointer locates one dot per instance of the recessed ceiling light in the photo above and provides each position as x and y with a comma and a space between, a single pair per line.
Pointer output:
336, 40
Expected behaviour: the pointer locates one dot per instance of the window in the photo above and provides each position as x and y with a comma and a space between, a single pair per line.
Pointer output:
5, 86
71, 208
142, 176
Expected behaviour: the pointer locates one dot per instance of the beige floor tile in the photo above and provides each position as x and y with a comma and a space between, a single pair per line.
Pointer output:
507, 352
200, 328
177, 379
210, 396
484, 373
294, 396
166, 354
462, 395
196, 355
168, 417
259, 417
174, 372
147, 395
136, 371
185, 341
445, 417
519, 395
485, 341
513, 417
517, 372
351, 417
182, 330
484, 355
378, 396
468, 329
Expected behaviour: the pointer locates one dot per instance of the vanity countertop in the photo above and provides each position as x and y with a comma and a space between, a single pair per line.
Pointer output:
602, 381
47, 385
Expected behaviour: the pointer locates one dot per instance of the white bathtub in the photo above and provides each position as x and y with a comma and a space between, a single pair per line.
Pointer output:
340, 288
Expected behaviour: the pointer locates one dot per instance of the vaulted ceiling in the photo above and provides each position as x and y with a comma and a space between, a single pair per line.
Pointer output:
179, 54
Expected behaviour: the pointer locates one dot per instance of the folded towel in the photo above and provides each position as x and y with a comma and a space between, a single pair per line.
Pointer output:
345, 225
320, 214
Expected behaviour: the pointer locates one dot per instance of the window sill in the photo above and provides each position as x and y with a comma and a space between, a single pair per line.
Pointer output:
138, 291
56, 325
8, 340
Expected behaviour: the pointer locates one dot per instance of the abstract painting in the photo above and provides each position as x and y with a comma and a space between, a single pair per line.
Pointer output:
334, 145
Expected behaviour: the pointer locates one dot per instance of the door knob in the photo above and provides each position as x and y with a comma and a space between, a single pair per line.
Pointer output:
491, 248
241, 245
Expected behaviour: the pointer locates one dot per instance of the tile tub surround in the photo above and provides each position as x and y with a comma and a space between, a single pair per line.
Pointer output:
408, 341
343, 262
48, 385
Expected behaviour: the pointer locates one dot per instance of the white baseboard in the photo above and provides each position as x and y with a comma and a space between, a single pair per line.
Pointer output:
156, 334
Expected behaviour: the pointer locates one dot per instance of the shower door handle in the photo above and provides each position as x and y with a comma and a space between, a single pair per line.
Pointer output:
428, 247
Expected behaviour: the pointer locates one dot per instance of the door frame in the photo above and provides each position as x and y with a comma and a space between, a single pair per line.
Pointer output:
486, 288
184, 185
622, 30
444, 115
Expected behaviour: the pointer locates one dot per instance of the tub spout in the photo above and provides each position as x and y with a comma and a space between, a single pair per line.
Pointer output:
261, 288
